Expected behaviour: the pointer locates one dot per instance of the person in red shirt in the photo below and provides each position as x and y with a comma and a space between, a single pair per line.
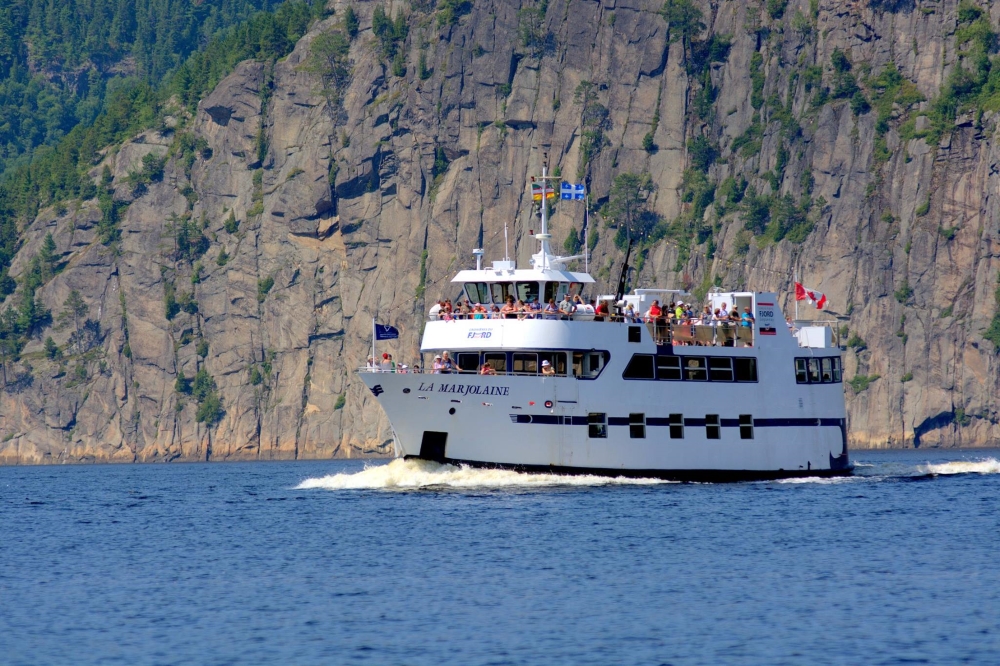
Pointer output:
601, 311
654, 311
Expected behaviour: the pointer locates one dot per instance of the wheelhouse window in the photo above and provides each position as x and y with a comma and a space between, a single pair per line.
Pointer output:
597, 425
825, 370
501, 290
527, 291
525, 364
639, 367
477, 292
468, 361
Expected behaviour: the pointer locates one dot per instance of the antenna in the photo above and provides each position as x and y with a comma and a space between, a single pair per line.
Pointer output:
506, 250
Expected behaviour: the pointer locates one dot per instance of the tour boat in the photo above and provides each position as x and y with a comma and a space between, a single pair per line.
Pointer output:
619, 395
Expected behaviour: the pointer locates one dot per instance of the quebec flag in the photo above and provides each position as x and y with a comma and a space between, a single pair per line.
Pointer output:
571, 191
385, 332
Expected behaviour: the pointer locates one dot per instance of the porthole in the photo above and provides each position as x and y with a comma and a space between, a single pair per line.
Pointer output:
451, 411
406, 390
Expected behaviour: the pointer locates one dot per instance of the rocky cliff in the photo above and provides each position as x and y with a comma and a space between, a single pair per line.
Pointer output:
228, 281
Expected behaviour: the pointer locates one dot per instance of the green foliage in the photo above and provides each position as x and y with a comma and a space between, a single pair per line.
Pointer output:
182, 384
993, 332
422, 284
170, 306
904, 292
116, 112
628, 202
860, 383
223, 258
531, 29
923, 208
52, 349
255, 377
855, 342
210, 410
908, 377
730, 193
751, 141
859, 104
189, 241
774, 218
422, 71
263, 287
231, 225
328, 60
647, 142
341, 401
440, 162
350, 22
701, 153
449, 11
948, 232
757, 80
776, 8
573, 244
684, 20
202, 348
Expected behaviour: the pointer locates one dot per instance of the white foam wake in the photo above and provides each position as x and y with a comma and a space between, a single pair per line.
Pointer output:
412, 474
987, 466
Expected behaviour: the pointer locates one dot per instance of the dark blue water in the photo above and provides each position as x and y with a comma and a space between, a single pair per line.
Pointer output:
231, 563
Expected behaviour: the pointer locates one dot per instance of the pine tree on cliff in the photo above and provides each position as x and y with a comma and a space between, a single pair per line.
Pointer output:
684, 20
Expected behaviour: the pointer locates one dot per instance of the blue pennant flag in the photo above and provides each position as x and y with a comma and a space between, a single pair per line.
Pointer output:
385, 332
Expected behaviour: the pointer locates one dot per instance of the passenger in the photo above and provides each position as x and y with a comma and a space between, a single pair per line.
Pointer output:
478, 312
416, 369
438, 365
386, 365
654, 312
547, 368
435, 311
679, 311
509, 310
521, 309
747, 320
447, 365
601, 311
495, 312
630, 313
566, 308
551, 310
370, 366
402, 369
487, 369
734, 315
534, 307
464, 310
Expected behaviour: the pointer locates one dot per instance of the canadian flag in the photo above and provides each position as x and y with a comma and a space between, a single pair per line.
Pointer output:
811, 295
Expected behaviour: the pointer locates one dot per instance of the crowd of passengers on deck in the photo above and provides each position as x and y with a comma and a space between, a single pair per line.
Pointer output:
672, 324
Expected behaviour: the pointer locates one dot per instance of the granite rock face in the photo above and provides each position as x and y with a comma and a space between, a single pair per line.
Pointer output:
341, 215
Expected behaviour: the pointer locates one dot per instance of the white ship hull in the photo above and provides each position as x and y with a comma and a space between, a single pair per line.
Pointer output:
543, 422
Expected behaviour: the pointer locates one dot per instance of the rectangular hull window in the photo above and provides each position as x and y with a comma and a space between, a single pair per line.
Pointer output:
468, 362
668, 368
824, 370
525, 364
676, 426
598, 425
694, 369
634, 334
712, 428
746, 426
496, 361
637, 426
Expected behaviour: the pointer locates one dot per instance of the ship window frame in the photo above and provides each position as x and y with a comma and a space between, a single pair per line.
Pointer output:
481, 289
605, 358
635, 372
494, 356
637, 426
832, 375
557, 359
746, 426
692, 371
501, 290
663, 368
597, 425
713, 426
749, 372
458, 362
719, 374
523, 296
676, 422
814, 376
801, 371
524, 359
